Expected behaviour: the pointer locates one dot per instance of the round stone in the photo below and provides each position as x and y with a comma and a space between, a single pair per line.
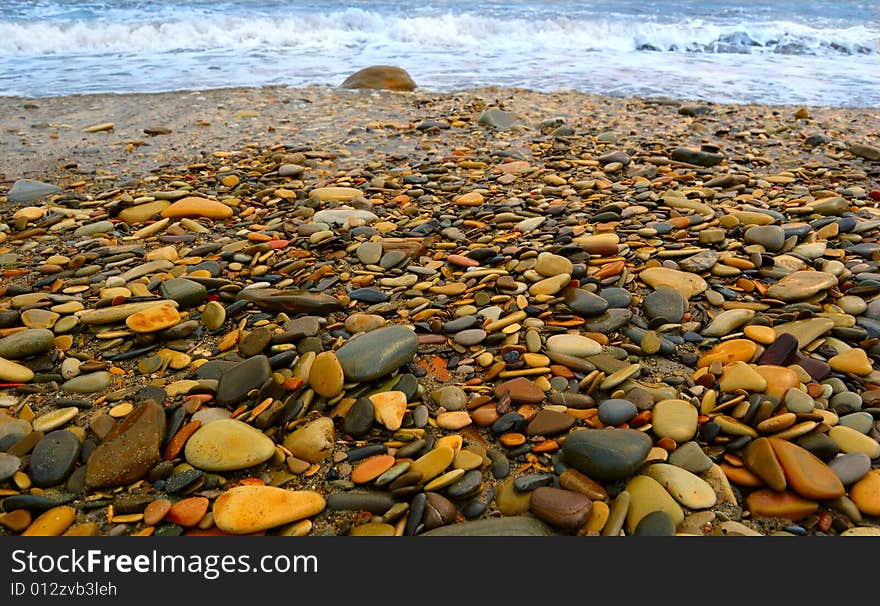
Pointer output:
616, 411
559, 507
228, 445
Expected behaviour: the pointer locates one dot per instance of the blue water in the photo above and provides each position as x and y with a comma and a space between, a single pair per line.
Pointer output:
738, 51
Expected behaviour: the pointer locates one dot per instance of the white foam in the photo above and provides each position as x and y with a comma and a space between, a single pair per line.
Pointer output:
362, 29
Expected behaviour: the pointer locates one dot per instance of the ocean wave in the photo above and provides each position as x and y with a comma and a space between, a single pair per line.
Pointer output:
358, 29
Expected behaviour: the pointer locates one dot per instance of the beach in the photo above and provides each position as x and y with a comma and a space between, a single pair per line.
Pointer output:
325, 311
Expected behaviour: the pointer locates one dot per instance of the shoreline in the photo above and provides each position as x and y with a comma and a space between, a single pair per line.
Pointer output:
39, 135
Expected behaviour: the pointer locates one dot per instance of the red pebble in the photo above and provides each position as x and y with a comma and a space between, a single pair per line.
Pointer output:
875, 194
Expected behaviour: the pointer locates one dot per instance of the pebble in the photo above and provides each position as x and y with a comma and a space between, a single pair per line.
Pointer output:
606, 454
227, 445
250, 509
129, 450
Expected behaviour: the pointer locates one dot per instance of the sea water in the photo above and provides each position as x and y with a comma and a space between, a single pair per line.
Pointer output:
738, 51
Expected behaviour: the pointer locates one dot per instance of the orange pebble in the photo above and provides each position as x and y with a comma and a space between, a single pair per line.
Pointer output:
175, 444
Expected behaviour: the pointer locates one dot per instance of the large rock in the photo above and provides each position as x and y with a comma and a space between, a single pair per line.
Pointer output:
606, 454
130, 449
377, 353
382, 77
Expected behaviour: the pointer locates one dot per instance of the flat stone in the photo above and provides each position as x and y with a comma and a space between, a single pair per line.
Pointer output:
734, 350
369, 253
727, 322
849, 440
143, 212
780, 380
343, 216
854, 361
26, 190
801, 285
251, 509
51, 523
13, 372
380, 77
688, 489
606, 454
599, 244
236, 382
550, 286
700, 262
850, 468
312, 441
646, 496
55, 418
88, 383
806, 331
521, 391
197, 207
450, 397
806, 474
358, 500
433, 463
118, 313
153, 319
687, 284
549, 423
739, 375
560, 508
228, 445
371, 468
129, 450
675, 419
760, 458
26, 343
376, 353
573, 345
39, 318
767, 503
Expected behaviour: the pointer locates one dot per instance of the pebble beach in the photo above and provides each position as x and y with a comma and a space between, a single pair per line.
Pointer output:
495, 311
